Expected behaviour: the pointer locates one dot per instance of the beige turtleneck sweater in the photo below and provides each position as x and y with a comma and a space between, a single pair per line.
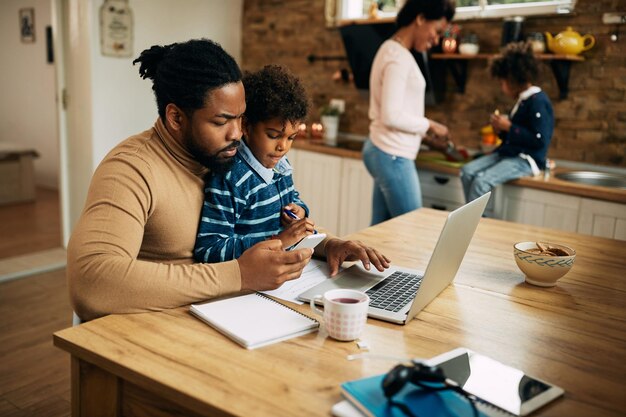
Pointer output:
131, 250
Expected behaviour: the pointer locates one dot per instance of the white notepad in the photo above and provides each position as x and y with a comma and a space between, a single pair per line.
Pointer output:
254, 320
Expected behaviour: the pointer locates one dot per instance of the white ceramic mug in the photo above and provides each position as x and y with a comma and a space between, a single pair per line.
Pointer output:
345, 313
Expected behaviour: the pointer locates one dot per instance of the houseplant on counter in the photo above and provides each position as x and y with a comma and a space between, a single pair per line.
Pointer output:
329, 116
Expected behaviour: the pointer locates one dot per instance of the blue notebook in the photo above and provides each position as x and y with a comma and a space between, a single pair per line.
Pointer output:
367, 395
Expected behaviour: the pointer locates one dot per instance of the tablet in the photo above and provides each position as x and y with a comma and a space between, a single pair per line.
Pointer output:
495, 383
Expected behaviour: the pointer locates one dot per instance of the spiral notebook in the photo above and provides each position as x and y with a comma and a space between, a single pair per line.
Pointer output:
254, 320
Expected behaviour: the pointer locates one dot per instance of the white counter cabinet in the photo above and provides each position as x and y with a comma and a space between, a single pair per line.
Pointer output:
445, 192
440, 191
355, 203
317, 179
539, 208
602, 218
563, 212
337, 190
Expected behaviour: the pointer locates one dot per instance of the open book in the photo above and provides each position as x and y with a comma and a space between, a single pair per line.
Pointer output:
254, 320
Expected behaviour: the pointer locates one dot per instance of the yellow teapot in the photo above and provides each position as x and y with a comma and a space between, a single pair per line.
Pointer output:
569, 42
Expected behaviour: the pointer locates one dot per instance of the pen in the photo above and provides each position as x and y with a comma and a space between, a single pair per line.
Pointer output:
293, 216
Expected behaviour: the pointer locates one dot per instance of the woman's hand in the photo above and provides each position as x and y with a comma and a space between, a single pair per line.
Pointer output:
338, 251
438, 129
296, 231
436, 143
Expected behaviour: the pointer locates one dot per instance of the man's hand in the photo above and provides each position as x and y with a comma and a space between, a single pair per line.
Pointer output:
338, 251
265, 266
296, 231
500, 123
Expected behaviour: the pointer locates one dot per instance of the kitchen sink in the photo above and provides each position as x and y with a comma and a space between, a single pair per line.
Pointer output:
603, 179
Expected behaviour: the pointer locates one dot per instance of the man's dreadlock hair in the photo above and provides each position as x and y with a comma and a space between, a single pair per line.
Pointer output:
274, 93
517, 64
184, 73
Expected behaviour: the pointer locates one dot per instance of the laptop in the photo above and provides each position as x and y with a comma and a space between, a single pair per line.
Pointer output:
398, 294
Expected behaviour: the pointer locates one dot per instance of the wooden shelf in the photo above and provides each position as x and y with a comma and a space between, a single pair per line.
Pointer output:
560, 64
366, 21
543, 57
375, 31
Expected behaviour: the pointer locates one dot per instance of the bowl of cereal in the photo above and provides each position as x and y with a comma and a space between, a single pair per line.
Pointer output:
543, 263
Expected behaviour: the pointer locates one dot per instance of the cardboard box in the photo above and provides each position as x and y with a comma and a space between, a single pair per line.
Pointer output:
17, 174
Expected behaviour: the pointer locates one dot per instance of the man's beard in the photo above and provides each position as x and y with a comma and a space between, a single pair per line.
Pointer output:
214, 163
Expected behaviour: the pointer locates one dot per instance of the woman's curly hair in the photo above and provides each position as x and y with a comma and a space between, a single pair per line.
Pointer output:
274, 93
517, 64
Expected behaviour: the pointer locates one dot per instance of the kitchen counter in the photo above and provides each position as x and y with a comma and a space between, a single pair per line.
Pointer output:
350, 148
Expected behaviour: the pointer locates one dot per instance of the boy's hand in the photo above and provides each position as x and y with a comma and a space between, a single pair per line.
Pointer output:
286, 220
500, 123
296, 231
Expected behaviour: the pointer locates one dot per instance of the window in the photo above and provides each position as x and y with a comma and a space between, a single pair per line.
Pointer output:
466, 9
473, 9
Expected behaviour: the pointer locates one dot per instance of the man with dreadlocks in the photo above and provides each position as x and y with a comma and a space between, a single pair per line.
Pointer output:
132, 248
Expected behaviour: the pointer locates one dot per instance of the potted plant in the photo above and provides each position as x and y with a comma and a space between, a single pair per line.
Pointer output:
329, 116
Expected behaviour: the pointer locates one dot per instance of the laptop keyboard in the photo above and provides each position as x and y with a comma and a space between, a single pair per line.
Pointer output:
395, 291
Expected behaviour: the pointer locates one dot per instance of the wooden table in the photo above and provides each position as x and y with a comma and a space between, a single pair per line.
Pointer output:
572, 335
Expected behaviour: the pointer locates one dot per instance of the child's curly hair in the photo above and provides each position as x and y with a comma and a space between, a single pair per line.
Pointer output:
274, 93
517, 64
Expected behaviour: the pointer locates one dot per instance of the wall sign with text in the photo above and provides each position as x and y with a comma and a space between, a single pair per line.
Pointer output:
116, 28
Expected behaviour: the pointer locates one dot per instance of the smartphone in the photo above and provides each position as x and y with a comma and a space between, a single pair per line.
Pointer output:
496, 384
309, 241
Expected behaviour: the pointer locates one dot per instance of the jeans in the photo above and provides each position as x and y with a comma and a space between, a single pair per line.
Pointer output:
396, 184
481, 175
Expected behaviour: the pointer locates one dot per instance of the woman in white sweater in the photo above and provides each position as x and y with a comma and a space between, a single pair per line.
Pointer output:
398, 124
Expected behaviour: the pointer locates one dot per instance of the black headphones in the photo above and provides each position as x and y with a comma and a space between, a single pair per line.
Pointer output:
424, 376
397, 378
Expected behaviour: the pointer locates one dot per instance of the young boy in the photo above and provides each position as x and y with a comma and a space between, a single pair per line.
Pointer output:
248, 203
525, 134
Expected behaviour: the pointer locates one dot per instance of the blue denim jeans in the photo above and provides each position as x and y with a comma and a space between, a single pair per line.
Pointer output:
483, 174
396, 184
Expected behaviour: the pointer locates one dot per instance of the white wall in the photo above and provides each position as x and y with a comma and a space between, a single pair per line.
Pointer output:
115, 102
27, 89
123, 103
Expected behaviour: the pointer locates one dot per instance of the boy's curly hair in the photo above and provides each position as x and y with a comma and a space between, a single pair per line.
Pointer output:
274, 93
517, 64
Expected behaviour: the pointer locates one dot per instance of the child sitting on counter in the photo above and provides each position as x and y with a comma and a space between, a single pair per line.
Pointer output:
256, 199
525, 133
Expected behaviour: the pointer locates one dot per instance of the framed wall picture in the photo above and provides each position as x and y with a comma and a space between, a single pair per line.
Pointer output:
27, 25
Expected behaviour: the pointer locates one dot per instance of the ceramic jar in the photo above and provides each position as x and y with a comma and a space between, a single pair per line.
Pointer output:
449, 45
469, 45
537, 42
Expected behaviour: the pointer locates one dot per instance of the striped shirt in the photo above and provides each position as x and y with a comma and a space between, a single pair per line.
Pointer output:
243, 207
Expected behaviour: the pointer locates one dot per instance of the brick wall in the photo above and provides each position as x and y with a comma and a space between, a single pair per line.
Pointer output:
590, 123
